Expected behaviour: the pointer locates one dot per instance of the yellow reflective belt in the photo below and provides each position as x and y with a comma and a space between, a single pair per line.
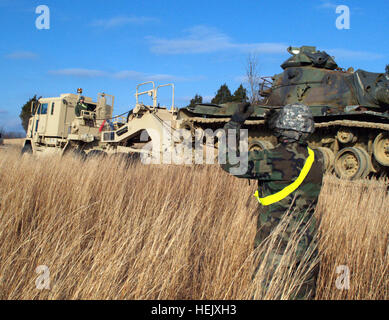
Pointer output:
290, 188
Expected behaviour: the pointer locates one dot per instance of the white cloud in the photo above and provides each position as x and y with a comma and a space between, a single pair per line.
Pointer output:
203, 39
22, 55
127, 74
353, 54
77, 72
330, 5
135, 75
327, 5
121, 75
121, 21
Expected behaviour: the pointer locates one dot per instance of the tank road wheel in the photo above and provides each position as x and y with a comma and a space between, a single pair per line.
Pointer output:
345, 135
381, 149
352, 163
188, 126
260, 145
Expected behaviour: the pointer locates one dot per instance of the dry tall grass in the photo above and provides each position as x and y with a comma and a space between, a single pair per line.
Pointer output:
354, 233
14, 142
107, 231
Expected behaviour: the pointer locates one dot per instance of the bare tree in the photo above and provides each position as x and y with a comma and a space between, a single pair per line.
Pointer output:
252, 77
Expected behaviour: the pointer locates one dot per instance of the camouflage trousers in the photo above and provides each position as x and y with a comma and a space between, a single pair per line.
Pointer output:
289, 237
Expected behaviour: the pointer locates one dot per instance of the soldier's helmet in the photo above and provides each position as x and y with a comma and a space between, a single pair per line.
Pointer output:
293, 121
82, 98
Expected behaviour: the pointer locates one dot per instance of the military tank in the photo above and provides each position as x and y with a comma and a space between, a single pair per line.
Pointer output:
351, 111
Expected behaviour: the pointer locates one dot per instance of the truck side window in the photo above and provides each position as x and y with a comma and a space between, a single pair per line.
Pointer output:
44, 108
52, 108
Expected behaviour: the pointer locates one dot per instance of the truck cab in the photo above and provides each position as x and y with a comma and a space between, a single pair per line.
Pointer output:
53, 122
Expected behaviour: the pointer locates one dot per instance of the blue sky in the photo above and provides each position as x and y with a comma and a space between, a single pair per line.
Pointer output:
111, 46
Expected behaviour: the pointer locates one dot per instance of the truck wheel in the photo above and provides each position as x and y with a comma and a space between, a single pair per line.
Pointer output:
27, 149
96, 154
126, 158
133, 157
78, 154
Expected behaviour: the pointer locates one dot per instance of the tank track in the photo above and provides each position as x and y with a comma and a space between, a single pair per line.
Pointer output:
349, 160
344, 123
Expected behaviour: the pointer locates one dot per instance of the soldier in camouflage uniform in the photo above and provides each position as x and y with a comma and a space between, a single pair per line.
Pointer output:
289, 180
80, 106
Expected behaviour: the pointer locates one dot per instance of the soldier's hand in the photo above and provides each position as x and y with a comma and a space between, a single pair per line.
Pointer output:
244, 110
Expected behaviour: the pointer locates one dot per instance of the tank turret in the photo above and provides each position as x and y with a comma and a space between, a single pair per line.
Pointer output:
313, 78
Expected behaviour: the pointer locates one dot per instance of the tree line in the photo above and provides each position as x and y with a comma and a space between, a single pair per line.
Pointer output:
223, 95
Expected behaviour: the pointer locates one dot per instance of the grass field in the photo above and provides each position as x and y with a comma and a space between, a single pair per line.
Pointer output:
106, 230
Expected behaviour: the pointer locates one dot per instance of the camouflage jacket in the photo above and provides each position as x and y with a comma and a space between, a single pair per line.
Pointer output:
277, 168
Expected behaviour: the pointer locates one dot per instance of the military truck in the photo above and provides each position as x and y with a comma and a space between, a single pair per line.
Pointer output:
54, 126
350, 108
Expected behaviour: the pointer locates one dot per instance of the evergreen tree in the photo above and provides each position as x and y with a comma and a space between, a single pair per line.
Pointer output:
387, 69
223, 95
196, 100
25, 114
240, 95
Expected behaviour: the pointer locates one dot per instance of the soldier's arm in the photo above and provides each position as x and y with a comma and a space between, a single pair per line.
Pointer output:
256, 160
77, 110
